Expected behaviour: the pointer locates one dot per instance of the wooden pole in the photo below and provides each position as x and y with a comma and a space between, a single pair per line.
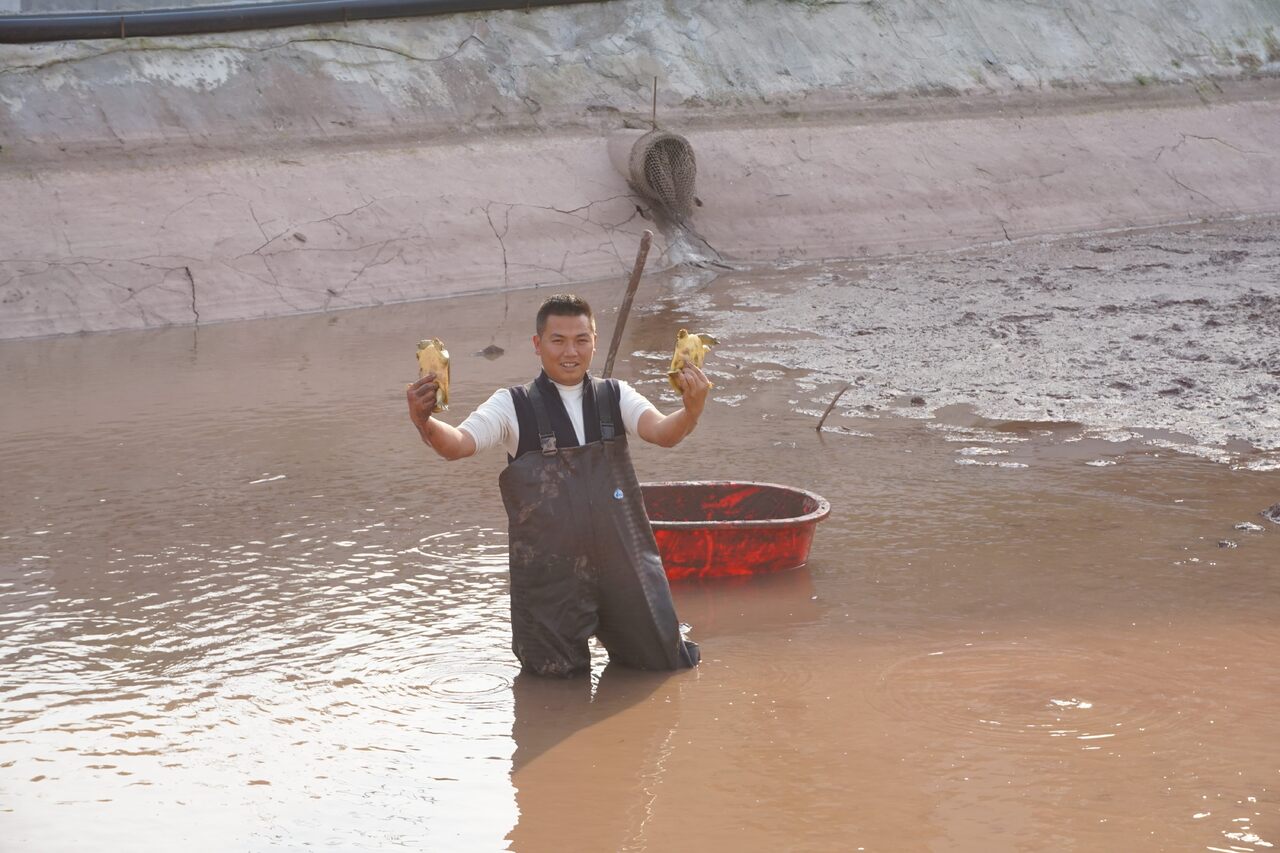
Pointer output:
625, 310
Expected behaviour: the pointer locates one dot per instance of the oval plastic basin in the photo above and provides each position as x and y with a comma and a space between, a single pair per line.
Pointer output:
726, 528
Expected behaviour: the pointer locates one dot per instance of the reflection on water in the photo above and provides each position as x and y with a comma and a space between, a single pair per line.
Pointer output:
241, 608
589, 766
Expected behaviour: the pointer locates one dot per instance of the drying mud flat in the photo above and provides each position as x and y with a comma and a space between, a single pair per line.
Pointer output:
1173, 331
259, 615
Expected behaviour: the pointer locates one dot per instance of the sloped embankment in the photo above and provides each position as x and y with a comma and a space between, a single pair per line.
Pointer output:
167, 181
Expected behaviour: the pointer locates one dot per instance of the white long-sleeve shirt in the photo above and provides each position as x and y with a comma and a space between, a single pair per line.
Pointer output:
494, 423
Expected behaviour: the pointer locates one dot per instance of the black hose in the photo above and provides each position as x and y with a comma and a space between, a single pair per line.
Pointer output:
70, 26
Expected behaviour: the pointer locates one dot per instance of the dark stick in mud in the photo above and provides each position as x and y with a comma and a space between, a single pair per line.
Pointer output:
832, 405
623, 311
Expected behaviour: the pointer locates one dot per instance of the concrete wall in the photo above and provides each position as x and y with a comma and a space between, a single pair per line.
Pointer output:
581, 65
156, 181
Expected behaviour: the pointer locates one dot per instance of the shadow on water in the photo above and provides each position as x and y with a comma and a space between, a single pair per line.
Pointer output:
726, 607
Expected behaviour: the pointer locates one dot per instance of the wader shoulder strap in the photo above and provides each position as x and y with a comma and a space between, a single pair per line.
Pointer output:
603, 392
546, 436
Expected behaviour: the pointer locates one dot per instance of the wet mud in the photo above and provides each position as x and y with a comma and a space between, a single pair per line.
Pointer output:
241, 607
1167, 330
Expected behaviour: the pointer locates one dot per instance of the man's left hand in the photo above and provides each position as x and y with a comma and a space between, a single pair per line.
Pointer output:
694, 387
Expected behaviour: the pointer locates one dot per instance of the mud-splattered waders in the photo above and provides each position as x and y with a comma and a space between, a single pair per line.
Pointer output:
583, 556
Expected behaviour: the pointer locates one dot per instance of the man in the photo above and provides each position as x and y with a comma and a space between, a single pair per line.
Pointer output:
582, 554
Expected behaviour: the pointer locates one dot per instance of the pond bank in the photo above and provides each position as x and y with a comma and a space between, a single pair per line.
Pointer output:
158, 182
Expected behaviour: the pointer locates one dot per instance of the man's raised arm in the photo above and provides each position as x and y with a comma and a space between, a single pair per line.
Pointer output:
449, 442
670, 430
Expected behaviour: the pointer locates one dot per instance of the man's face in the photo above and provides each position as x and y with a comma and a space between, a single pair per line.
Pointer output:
566, 346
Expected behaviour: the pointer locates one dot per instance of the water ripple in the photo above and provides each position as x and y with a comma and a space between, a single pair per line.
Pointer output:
1022, 690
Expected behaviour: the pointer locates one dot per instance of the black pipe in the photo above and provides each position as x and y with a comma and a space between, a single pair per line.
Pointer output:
71, 26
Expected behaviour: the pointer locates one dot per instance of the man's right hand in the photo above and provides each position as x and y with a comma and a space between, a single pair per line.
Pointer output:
447, 441
422, 399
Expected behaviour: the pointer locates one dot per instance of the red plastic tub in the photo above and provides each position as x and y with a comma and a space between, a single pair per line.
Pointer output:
726, 528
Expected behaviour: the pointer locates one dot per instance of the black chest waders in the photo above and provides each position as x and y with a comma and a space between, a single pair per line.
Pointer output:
582, 554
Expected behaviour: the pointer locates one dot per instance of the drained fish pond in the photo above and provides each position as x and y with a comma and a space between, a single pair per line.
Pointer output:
242, 607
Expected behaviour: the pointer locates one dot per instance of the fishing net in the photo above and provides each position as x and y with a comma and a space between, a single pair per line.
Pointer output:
663, 169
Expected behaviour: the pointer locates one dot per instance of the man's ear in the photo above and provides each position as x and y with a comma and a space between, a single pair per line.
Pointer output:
537, 344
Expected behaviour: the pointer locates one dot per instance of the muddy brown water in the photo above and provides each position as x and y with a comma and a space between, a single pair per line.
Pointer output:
242, 608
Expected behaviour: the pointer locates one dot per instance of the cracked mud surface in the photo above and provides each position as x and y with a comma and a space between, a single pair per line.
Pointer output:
208, 244
1175, 330
180, 243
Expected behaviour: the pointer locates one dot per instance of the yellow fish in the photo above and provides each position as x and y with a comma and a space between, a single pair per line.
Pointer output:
690, 349
434, 358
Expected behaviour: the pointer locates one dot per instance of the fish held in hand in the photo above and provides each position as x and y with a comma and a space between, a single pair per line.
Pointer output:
690, 349
434, 358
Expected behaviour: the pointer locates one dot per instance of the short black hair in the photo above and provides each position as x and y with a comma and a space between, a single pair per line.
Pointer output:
564, 305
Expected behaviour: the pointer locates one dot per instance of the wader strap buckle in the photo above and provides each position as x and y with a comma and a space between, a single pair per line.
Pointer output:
604, 407
546, 435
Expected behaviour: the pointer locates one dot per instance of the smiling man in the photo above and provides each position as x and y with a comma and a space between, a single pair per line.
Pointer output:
582, 554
